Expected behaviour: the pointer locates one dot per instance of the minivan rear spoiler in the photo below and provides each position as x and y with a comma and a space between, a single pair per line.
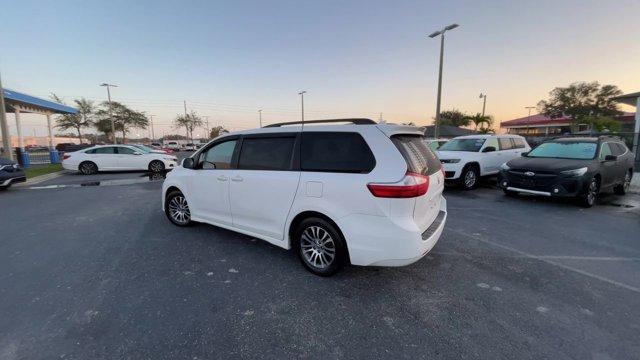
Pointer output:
390, 130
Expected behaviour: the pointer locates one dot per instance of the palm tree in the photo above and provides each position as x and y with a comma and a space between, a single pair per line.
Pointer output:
479, 119
189, 121
83, 118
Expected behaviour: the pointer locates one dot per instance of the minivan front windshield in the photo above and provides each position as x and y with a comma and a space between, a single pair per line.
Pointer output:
470, 144
565, 150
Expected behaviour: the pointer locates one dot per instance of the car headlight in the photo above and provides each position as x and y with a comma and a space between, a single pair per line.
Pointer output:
575, 172
449, 161
504, 166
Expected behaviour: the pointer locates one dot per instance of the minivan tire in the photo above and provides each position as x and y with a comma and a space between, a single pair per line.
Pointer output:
469, 177
175, 203
315, 241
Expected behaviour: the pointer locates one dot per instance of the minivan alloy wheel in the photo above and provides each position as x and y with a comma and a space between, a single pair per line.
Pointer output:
179, 209
318, 247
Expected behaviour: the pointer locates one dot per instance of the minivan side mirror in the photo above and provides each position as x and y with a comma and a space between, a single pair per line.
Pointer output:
610, 158
489, 149
137, 153
187, 163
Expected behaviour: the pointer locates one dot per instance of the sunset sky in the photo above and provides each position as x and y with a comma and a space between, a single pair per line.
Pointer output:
228, 59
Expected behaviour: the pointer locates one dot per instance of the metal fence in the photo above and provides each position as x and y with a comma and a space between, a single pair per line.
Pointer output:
35, 156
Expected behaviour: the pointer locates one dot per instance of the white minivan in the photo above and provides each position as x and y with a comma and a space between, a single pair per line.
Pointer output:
466, 158
360, 193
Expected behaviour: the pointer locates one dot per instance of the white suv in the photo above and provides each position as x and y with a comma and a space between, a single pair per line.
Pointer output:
363, 193
466, 158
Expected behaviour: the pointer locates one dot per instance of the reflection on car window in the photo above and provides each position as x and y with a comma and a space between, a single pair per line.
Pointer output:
219, 156
266, 153
125, 150
565, 150
472, 144
104, 150
605, 150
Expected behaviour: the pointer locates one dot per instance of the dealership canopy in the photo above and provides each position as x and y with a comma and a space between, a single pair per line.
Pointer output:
18, 103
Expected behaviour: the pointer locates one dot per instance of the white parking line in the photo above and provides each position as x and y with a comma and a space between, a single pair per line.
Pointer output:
546, 260
557, 257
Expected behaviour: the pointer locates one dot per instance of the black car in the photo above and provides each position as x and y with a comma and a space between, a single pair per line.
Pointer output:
573, 167
10, 173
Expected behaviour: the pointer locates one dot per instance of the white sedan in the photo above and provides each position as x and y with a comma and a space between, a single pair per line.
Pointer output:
116, 158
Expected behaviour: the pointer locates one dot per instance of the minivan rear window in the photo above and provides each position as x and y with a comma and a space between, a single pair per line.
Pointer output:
420, 159
336, 152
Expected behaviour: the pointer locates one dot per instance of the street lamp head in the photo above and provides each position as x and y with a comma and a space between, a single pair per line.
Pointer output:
434, 34
105, 84
451, 27
302, 92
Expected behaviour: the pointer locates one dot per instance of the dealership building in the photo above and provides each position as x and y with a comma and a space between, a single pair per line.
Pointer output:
541, 125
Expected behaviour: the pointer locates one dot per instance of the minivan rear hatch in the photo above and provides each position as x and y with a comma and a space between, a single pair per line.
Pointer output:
421, 160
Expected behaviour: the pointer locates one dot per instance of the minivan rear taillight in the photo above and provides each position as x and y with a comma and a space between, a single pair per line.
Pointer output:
411, 185
65, 156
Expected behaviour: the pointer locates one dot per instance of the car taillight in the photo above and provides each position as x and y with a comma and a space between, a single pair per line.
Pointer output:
65, 156
411, 185
442, 171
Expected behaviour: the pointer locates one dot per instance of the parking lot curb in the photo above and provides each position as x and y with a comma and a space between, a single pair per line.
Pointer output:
41, 178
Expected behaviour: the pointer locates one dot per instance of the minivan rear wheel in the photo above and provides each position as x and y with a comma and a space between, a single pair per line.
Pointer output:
320, 246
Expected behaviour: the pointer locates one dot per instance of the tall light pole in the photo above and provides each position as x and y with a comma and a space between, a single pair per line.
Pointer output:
433, 35
260, 116
6, 140
206, 121
301, 93
113, 124
484, 102
153, 134
529, 117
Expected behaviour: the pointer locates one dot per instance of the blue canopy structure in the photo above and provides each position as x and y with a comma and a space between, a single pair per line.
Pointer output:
18, 103
38, 104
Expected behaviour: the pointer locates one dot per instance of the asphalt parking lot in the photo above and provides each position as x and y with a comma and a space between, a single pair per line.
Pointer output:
96, 271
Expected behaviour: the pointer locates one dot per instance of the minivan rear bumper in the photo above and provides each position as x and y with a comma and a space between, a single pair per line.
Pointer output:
383, 241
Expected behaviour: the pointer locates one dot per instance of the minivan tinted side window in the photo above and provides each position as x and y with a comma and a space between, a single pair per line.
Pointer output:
336, 152
266, 153
519, 143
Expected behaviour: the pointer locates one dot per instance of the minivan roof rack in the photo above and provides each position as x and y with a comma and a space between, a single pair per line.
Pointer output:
355, 121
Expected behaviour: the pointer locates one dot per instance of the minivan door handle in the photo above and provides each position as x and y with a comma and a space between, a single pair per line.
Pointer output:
237, 178
223, 178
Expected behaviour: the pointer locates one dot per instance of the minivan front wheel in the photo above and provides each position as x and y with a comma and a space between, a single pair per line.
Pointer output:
177, 209
320, 247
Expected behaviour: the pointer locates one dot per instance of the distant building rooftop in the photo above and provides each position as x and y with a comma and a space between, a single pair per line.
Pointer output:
539, 119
